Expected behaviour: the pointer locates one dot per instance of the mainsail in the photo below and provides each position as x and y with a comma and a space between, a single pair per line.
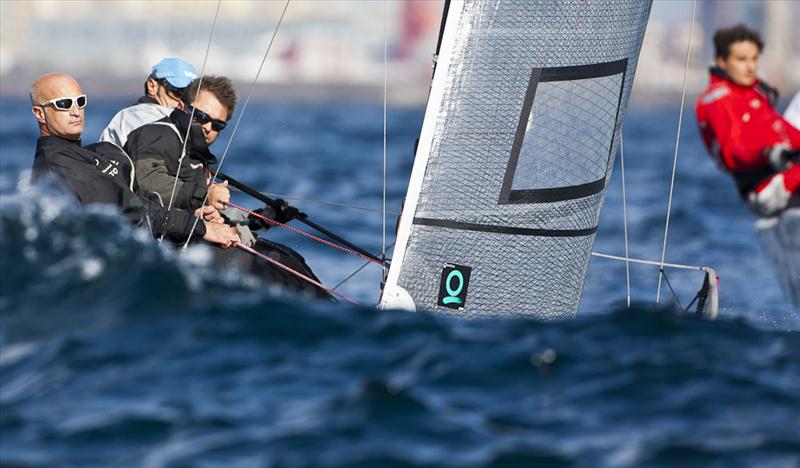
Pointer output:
515, 153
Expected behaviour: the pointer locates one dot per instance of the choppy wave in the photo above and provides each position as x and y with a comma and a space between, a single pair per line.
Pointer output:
116, 351
263, 382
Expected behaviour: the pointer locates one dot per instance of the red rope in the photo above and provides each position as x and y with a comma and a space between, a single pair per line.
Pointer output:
295, 273
311, 236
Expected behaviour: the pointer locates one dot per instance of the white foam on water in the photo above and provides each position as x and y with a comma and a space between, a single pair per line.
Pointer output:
91, 268
13, 353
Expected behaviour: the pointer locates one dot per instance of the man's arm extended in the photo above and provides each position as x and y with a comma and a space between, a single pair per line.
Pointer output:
155, 150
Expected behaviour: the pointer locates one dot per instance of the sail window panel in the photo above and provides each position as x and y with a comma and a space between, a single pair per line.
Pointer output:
568, 134
563, 143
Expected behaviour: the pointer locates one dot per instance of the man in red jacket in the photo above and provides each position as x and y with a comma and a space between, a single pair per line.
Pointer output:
742, 130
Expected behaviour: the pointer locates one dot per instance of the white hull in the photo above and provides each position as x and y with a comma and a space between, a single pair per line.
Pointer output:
780, 237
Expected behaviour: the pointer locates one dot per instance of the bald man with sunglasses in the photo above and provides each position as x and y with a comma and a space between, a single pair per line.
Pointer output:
101, 173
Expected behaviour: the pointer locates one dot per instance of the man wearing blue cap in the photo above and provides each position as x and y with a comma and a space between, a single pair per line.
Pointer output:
162, 93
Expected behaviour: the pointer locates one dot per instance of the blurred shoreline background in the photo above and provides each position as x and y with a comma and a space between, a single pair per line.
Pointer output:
333, 50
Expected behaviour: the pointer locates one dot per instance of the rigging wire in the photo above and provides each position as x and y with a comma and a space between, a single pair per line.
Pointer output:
304, 233
675, 158
329, 203
625, 217
385, 92
241, 114
191, 117
649, 262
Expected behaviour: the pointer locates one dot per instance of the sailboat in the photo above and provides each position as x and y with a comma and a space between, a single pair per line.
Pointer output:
522, 124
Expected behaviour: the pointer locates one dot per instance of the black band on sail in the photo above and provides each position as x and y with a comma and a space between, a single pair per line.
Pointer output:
580, 72
517, 231
549, 195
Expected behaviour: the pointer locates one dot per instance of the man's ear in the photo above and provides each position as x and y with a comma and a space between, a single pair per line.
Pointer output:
152, 87
721, 63
38, 112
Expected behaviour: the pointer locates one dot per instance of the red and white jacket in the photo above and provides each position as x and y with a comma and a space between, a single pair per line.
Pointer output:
739, 124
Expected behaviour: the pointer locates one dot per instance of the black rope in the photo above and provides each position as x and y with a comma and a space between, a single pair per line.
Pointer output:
674, 294
702, 296
388, 262
351, 275
694, 299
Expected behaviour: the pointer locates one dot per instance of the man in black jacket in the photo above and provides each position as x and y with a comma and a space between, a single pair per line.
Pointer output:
157, 148
102, 173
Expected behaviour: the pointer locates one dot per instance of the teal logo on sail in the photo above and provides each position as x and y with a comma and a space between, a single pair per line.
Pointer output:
453, 285
453, 291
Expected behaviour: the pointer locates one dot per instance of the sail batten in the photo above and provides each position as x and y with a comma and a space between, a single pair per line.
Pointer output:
515, 154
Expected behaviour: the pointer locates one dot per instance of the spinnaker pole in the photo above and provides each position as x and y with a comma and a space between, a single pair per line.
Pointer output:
302, 217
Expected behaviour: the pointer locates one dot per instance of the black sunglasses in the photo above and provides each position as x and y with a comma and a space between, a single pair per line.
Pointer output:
203, 118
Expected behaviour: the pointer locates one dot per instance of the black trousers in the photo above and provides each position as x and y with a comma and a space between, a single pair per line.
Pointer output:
237, 258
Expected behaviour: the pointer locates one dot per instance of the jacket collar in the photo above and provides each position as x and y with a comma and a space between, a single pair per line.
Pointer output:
719, 75
197, 146
52, 140
146, 100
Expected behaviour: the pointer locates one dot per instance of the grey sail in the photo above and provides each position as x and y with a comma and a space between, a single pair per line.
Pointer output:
515, 154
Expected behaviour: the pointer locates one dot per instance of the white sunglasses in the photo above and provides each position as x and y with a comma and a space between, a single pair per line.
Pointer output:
66, 103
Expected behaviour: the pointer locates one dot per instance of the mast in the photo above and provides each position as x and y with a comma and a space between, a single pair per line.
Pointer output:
445, 9
392, 296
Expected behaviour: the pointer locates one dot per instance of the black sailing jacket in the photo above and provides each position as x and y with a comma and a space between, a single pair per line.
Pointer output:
101, 173
156, 150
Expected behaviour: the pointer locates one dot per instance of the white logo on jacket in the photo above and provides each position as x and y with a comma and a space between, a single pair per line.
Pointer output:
111, 169
716, 94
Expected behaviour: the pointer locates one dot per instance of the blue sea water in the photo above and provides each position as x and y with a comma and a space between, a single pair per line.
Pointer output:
115, 351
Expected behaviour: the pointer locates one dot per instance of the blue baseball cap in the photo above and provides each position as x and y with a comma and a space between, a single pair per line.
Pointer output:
177, 72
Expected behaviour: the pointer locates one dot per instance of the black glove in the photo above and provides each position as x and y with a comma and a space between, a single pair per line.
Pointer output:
255, 223
794, 155
283, 214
